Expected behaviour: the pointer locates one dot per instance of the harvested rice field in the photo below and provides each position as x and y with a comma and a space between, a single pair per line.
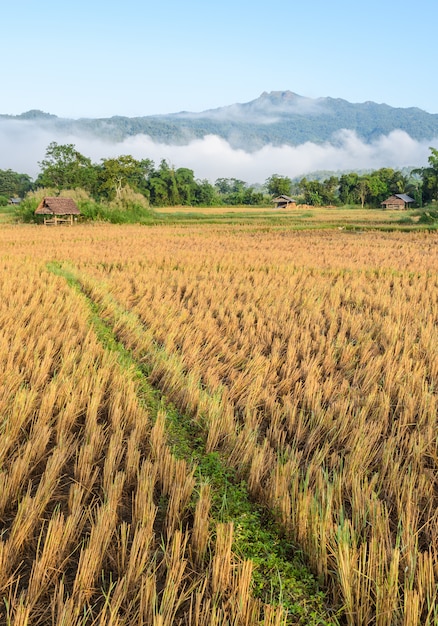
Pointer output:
218, 425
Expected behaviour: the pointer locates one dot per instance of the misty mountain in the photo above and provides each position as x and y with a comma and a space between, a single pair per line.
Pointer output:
278, 118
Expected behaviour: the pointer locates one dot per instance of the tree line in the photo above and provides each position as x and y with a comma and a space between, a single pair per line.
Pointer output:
64, 167
373, 188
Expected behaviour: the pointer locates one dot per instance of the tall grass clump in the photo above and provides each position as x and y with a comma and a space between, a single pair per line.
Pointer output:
128, 208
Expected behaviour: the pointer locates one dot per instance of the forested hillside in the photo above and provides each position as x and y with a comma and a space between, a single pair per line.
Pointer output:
276, 118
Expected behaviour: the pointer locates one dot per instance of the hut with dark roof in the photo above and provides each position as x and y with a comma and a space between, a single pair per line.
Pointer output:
397, 201
57, 210
284, 202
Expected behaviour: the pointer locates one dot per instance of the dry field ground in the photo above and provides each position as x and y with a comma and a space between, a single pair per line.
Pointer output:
305, 361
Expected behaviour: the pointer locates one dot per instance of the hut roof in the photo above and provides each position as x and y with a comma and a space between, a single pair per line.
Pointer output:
57, 206
283, 198
398, 198
404, 197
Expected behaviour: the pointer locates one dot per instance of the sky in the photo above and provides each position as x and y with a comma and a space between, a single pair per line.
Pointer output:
95, 58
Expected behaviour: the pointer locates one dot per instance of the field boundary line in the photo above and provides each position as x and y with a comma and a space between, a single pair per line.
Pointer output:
281, 575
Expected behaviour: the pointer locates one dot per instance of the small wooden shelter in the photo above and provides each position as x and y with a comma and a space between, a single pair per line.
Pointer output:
397, 201
284, 202
57, 210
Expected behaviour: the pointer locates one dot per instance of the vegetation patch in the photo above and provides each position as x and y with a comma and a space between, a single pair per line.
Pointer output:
126, 190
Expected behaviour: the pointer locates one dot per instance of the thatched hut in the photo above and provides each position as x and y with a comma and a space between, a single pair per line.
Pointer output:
284, 202
57, 210
397, 201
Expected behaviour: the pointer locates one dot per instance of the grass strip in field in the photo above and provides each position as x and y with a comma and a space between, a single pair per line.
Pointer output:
280, 575
302, 218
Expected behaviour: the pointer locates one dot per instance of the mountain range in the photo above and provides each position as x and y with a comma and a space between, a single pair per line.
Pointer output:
276, 118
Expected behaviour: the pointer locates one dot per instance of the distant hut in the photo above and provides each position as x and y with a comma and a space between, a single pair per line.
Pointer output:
284, 202
57, 210
397, 201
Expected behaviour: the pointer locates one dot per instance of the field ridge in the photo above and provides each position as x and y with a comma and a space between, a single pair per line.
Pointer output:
280, 575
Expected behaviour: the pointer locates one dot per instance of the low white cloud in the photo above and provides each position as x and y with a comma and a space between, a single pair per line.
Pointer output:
23, 145
267, 109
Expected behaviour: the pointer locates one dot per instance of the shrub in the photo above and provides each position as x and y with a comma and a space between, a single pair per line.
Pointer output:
130, 208
25, 211
429, 217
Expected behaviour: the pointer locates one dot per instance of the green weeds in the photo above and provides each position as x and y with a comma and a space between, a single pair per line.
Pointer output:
280, 575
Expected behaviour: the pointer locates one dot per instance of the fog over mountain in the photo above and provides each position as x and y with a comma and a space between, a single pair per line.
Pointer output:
279, 132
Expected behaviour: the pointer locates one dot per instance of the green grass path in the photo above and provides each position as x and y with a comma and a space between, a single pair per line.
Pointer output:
281, 575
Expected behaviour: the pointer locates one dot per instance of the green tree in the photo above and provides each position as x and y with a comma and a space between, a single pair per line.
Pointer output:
363, 187
13, 184
65, 168
233, 191
433, 163
330, 190
414, 188
163, 185
206, 194
115, 174
186, 184
378, 189
223, 185
277, 185
348, 192
429, 178
317, 193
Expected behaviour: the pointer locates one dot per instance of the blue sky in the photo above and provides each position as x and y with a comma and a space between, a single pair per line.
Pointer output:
99, 58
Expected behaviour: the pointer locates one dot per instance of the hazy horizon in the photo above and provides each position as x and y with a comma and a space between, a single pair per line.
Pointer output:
24, 145
304, 105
